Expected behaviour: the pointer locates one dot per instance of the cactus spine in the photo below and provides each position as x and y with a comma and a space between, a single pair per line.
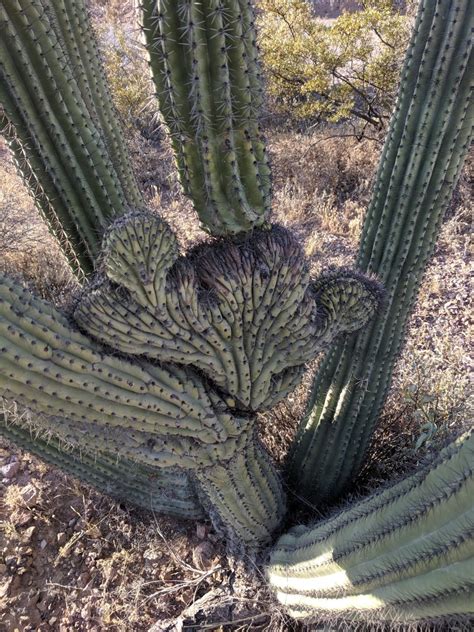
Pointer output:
404, 554
428, 138
203, 57
58, 118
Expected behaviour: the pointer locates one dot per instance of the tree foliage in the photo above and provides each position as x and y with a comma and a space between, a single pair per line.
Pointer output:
331, 70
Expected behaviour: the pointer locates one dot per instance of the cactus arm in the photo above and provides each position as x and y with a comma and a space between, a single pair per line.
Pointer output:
203, 62
45, 362
402, 555
428, 139
162, 490
74, 29
47, 118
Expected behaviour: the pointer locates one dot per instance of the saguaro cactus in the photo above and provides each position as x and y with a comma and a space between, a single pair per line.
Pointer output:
428, 138
404, 554
153, 379
209, 338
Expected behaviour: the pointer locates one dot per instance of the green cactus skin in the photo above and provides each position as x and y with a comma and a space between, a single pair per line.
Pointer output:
245, 314
160, 416
164, 490
203, 58
59, 120
151, 415
403, 555
239, 492
429, 135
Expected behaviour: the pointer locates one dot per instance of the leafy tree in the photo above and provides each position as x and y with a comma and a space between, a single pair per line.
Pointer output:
332, 70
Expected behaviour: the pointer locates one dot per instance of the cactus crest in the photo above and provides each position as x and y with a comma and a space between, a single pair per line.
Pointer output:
245, 312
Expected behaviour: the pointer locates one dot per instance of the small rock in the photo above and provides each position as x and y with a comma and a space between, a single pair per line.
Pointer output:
4, 586
3, 569
29, 494
10, 470
203, 555
201, 531
28, 534
84, 578
43, 544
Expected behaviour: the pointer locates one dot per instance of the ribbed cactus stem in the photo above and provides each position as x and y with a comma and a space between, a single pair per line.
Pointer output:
160, 490
428, 138
203, 57
404, 554
244, 493
58, 117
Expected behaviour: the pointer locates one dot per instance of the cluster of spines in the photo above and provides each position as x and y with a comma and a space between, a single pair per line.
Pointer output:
164, 490
243, 313
58, 117
427, 141
203, 58
404, 554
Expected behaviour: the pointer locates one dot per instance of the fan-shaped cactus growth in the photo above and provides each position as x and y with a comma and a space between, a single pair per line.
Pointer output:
246, 313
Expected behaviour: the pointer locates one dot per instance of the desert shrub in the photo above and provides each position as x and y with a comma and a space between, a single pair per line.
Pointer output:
20, 226
320, 70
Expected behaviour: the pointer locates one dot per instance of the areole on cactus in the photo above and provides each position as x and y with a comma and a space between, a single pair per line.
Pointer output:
154, 377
